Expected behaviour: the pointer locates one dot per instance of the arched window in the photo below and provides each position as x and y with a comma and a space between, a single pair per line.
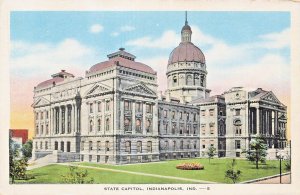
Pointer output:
238, 127
91, 125
189, 80
175, 81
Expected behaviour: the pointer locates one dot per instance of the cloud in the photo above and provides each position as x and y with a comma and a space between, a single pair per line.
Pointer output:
115, 34
96, 28
168, 39
127, 28
276, 40
31, 59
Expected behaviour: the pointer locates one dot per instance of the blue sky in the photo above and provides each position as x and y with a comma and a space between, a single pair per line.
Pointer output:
239, 46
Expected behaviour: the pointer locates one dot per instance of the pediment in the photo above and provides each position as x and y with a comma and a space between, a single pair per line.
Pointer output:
97, 89
40, 102
140, 88
270, 97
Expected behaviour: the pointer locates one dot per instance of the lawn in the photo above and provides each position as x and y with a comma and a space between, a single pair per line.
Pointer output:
213, 171
51, 174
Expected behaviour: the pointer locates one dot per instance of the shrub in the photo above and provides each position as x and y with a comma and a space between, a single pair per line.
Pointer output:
190, 166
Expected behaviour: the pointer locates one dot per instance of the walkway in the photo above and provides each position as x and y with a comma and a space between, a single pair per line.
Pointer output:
286, 179
143, 174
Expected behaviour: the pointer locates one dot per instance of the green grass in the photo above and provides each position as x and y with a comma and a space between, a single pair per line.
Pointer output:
51, 174
213, 171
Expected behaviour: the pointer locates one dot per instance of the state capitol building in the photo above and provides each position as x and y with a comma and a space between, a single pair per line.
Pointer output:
116, 115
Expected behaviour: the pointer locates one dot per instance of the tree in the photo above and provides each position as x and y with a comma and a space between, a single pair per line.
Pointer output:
76, 176
211, 152
232, 173
27, 149
17, 165
257, 151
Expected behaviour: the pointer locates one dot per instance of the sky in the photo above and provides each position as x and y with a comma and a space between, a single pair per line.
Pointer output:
249, 49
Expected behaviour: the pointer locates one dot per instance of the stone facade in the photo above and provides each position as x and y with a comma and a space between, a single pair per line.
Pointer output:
116, 115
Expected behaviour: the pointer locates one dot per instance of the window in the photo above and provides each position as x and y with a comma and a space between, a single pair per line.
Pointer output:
138, 106
127, 124
195, 145
174, 145
187, 116
90, 145
212, 128
42, 129
107, 105
63, 110
203, 146
138, 125
174, 81
99, 106
181, 129
149, 146
46, 145
203, 129
107, 124
37, 129
128, 146
148, 125
173, 128
106, 146
180, 115
90, 158
37, 116
237, 144
181, 145
82, 146
195, 129
55, 145
98, 158
189, 80
188, 129
238, 154
188, 145
41, 145
99, 124
91, 125
139, 146
211, 112
173, 114
194, 117
69, 119
238, 127
127, 105
91, 108
98, 146
165, 113
166, 128
166, 145
202, 112
47, 129
47, 114
237, 112
148, 108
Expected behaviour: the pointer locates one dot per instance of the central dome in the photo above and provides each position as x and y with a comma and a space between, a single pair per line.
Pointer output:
186, 52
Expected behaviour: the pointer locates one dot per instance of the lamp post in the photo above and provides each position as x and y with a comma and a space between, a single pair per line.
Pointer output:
280, 157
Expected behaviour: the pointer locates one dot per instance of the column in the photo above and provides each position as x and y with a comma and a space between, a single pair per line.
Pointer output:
122, 116
275, 122
133, 117
66, 119
75, 118
103, 116
144, 119
95, 118
257, 120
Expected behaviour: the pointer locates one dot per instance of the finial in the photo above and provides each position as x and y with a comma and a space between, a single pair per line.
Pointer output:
186, 22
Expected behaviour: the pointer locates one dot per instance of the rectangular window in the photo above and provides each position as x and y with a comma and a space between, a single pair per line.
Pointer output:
237, 112
212, 129
90, 158
187, 116
98, 146
128, 146
165, 113
237, 144
91, 108
90, 145
139, 146
46, 145
99, 106
181, 129
107, 105
194, 117
202, 112
203, 129
180, 115
98, 158
148, 108
107, 146
149, 146
82, 146
138, 107
211, 112
238, 154
127, 105
47, 114
173, 114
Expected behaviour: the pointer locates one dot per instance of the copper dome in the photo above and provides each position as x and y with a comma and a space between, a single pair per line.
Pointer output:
186, 52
